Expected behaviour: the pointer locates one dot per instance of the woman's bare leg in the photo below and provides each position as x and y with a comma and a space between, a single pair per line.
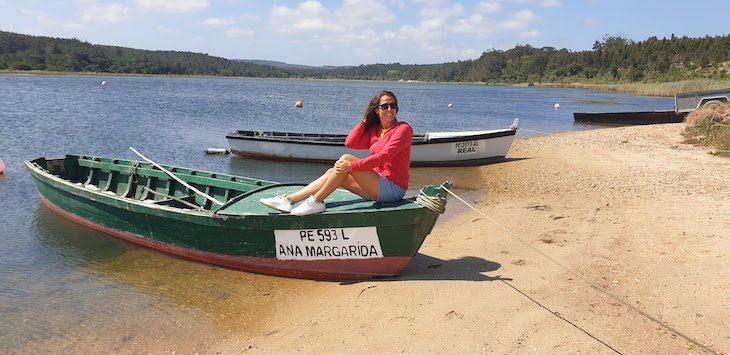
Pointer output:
331, 183
365, 184
310, 189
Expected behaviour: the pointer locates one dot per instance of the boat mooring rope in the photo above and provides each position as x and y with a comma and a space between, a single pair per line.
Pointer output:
433, 203
589, 283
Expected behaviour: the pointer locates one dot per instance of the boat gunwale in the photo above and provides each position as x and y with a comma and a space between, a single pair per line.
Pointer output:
80, 190
72, 186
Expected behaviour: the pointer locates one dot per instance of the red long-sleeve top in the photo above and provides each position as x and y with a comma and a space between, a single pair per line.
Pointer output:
390, 155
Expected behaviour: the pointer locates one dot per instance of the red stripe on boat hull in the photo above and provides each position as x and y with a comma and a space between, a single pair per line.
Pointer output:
332, 270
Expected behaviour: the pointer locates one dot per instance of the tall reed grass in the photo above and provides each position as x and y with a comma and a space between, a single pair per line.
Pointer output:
666, 89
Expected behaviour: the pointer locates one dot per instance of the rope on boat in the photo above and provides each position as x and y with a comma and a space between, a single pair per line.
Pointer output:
135, 177
435, 203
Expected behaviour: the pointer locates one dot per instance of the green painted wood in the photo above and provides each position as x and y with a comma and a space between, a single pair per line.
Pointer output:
117, 194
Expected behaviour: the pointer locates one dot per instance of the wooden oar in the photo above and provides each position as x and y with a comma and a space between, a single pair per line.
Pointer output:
177, 178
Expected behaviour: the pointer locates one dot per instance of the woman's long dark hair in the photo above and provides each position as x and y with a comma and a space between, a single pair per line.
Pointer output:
371, 118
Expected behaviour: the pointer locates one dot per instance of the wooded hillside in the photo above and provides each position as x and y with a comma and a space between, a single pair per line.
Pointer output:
23, 52
613, 59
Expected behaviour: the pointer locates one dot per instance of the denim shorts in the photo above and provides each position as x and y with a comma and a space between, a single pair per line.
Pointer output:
389, 191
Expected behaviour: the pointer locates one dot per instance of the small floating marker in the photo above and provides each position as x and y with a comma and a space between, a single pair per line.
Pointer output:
298, 104
557, 106
216, 151
450, 105
104, 83
2, 167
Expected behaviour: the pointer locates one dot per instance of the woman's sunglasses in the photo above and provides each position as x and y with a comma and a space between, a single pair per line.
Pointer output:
388, 106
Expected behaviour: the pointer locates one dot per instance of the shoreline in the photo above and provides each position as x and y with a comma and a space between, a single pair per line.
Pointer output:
668, 89
599, 241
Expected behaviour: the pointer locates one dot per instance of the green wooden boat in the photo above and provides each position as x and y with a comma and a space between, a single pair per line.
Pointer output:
223, 223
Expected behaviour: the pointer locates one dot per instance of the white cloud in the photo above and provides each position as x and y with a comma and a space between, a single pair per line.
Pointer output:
488, 7
441, 10
165, 29
428, 34
237, 32
363, 13
174, 6
476, 24
432, 3
433, 24
309, 16
85, 2
112, 13
469, 53
446, 30
246, 18
521, 20
40, 17
218, 21
73, 26
529, 34
591, 21
551, 3
41, 23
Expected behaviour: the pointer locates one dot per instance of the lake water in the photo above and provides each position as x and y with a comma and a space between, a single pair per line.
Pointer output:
65, 288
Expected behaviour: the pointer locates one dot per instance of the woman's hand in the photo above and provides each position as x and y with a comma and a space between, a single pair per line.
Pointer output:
343, 166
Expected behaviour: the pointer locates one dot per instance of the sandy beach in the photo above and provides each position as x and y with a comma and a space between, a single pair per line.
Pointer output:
612, 240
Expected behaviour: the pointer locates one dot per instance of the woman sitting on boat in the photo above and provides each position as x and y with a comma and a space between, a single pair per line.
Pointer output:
383, 176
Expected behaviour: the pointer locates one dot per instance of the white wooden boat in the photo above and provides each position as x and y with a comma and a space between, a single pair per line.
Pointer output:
430, 149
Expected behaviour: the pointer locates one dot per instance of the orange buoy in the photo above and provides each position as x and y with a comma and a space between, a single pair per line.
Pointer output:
2, 166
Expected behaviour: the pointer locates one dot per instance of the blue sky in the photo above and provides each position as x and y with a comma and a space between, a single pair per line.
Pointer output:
353, 32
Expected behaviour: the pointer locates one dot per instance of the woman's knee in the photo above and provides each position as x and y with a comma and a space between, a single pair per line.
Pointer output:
349, 157
333, 172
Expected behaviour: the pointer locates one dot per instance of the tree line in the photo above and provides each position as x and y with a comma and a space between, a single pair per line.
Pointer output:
23, 52
614, 59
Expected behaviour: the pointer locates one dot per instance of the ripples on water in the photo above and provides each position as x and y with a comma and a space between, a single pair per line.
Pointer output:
66, 288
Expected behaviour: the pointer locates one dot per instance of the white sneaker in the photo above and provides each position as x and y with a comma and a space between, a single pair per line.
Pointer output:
278, 202
309, 206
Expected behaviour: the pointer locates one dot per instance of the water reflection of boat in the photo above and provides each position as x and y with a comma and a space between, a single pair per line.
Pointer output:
73, 243
92, 280
142, 203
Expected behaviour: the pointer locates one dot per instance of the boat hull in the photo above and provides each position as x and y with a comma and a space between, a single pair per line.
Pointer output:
445, 149
243, 235
630, 118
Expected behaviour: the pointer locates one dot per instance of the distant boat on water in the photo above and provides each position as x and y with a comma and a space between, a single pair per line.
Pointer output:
463, 148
